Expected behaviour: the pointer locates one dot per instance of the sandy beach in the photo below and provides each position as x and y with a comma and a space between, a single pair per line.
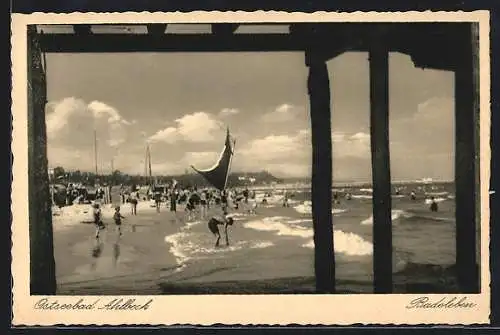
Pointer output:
271, 251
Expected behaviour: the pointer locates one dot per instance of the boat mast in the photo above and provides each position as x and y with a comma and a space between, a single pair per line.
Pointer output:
149, 166
95, 152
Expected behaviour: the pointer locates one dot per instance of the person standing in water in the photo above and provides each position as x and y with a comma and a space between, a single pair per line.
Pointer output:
215, 222
285, 199
118, 219
413, 196
99, 225
434, 205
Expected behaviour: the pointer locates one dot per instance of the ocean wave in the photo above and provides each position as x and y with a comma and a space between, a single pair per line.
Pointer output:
274, 199
186, 246
436, 193
429, 201
395, 214
369, 190
276, 224
262, 244
300, 221
361, 196
346, 243
306, 208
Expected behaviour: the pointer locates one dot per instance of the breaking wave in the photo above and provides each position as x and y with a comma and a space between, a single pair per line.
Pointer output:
346, 243
395, 214
429, 201
306, 208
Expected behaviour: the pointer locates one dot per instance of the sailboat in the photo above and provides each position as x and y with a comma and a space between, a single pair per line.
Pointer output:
217, 175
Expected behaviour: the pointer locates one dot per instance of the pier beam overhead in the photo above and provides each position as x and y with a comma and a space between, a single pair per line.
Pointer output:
42, 264
466, 112
319, 95
379, 134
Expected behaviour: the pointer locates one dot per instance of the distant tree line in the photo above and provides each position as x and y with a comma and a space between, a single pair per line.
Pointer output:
236, 179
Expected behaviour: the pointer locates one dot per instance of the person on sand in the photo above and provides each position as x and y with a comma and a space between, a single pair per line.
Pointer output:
99, 225
118, 219
134, 199
215, 222
203, 203
223, 200
157, 197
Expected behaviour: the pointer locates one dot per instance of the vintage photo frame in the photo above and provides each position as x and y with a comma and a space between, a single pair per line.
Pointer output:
33, 288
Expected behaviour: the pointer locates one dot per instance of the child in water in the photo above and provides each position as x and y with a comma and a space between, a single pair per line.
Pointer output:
118, 219
99, 225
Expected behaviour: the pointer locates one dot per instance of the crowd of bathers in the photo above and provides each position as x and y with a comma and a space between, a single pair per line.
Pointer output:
190, 197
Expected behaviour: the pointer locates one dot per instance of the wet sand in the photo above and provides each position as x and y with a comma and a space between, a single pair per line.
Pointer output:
140, 262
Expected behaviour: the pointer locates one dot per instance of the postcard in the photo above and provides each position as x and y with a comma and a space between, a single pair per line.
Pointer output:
250, 168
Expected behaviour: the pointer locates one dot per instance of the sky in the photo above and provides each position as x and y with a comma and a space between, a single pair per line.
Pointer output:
180, 104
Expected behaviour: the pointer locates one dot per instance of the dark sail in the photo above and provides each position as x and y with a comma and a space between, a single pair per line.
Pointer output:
217, 174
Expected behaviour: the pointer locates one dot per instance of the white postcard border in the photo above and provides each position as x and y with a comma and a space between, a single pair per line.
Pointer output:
236, 309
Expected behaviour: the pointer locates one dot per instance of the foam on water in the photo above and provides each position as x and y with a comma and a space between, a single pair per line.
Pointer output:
347, 243
306, 208
186, 245
361, 196
300, 221
273, 200
276, 224
395, 214
429, 201
436, 193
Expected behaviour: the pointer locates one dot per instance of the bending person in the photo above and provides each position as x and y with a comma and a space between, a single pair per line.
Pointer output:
215, 222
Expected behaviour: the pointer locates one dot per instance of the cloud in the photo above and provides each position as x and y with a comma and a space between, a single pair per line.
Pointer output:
71, 121
101, 110
62, 114
354, 145
167, 135
429, 130
282, 113
278, 147
228, 112
196, 127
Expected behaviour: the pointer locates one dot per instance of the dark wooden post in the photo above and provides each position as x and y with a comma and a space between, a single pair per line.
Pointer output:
379, 131
42, 265
319, 95
156, 29
466, 118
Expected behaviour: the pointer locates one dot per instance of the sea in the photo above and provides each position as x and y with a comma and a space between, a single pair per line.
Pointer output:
277, 242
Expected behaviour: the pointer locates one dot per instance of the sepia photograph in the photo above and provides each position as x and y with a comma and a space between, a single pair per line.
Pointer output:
252, 158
